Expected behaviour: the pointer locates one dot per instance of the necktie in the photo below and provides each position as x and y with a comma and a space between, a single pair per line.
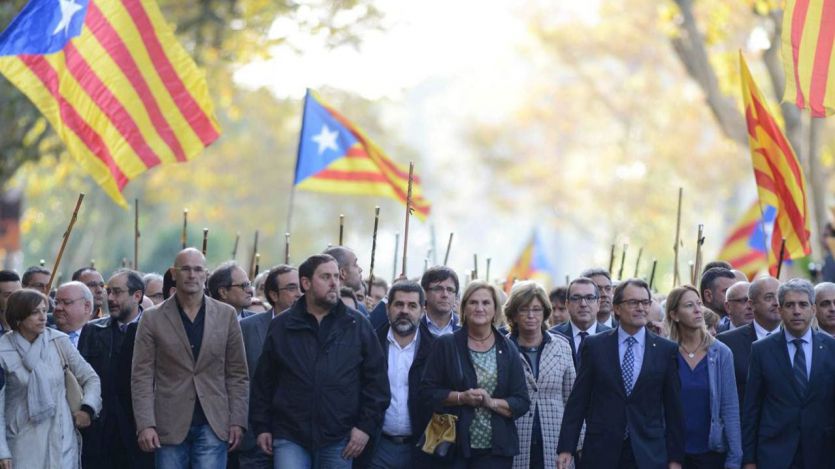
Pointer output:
628, 365
123, 328
799, 366
583, 336
74, 338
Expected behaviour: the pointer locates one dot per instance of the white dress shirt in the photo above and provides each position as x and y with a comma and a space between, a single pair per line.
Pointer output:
637, 350
575, 333
608, 322
807, 349
396, 421
763, 332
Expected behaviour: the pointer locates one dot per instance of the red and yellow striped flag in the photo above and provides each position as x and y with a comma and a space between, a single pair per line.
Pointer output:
111, 78
780, 181
808, 38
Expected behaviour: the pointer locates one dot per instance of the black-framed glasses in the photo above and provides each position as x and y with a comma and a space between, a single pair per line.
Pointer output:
441, 289
635, 303
66, 302
242, 285
587, 298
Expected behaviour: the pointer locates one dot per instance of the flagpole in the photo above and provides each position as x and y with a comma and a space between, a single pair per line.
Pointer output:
780, 261
487, 271
638, 261
235, 247
205, 241
396, 247
475, 266
652, 273
184, 236
678, 238
64, 241
700, 239
136, 234
287, 248
292, 196
622, 262
373, 245
408, 215
341, 228
448, 247
612, 259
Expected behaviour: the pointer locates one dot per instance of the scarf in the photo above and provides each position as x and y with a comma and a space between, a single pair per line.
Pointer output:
39, 398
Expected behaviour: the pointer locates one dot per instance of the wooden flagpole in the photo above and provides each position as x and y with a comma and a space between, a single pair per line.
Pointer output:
652, 273
622, 261
205, 241
780, 260
638, 261
448, 247
697, 269
341, 228
287, 248
487, 271
373, 245
57, 264
396, 247
408, 215
678, 237
612, 260
235, 247
184, 236
136, 234
254, 254
475, 267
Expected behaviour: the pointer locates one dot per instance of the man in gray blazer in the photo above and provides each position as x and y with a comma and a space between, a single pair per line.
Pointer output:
281, 287
189, 376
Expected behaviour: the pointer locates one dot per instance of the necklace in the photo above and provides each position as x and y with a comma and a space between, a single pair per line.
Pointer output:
489, 334
689, 353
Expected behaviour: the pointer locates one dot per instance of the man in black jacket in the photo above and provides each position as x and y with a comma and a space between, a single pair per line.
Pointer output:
111, 440
320, 387
406, 344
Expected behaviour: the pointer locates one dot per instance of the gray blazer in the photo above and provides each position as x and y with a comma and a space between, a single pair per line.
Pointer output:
725, 429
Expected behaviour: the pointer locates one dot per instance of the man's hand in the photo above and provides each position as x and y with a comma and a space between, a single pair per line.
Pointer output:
564, 460
265, 442
5, 464
235, 435
148, 440
81, 419
355, 444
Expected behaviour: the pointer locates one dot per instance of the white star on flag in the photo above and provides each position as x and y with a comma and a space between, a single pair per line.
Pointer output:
326, 139
68, 9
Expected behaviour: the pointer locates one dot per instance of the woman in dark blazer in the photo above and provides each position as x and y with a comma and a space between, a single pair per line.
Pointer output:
477, 374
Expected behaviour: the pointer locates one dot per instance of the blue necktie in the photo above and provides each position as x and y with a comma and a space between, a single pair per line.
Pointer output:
799, 367
628, 365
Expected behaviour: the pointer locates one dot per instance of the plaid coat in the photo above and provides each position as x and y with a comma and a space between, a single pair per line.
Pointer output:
548, 393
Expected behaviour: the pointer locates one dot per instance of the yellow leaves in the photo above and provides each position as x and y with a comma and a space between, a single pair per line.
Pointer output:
717, 20
669, 19
764, 7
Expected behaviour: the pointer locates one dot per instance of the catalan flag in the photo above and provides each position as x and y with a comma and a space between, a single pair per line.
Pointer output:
808, 39
114, 83
336, 156
779, 177
532, 264
745, 248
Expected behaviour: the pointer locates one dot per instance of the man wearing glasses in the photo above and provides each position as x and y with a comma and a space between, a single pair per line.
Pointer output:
230, 284
189, 378
603, 280
73, 306
441, 286
583, 303
631, 408
738, 308
95, 282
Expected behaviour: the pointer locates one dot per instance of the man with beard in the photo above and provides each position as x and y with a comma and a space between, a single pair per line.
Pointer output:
406, 342
603, 280
350, 272
713, 286
95, 282
320, 388
110, 441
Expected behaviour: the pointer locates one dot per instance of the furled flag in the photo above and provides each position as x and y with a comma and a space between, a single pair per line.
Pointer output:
779, 177
336, 156
532, 264
113, 81
808, 39
746, 245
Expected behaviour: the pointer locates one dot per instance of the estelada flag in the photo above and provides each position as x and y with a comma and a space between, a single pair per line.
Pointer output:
746, 247
532, 264
779, 177
114, 83
336, 156
809, 56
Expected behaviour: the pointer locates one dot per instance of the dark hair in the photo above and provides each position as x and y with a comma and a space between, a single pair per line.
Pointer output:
523, 293
339, 253
220, 278
583, 281
309, 266
167, 284
31, 272
271, 282
9, 276
709, 278
407, 286
134, 280
617, 298
558, 294
349, 292
378, 282
594, 272
717, 263
439, 273
22, 304
78, 273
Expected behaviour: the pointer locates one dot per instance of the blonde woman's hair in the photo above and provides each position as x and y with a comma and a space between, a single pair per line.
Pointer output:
475, 286
673, 326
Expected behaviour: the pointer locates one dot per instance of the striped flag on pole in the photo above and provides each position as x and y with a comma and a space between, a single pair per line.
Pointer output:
779, 177
336, 156
746, 245
808, 38
114, 83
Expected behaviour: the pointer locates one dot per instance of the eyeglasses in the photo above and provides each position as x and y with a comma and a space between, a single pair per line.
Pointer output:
242, 286
155, 295
116, 291
440, 289
531, 311
634, 303
291, 288
579, 299
65, 302
36, 285
737, 300
188, 269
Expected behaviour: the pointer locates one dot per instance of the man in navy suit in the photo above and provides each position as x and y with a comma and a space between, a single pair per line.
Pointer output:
789, 412
583, 301
627, 393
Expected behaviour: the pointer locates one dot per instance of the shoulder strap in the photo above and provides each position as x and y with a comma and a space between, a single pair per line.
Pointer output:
63, 357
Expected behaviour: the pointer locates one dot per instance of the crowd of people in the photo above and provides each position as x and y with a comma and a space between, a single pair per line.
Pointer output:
310, 366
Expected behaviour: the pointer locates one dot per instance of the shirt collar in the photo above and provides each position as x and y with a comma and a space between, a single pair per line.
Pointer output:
761, 331
807, 337
452, 322
640, 336
393, 341
576, 330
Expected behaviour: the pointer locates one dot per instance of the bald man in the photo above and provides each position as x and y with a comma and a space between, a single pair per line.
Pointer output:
825, 306
738, 307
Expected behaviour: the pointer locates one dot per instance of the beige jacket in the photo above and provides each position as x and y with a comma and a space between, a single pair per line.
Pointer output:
166, 380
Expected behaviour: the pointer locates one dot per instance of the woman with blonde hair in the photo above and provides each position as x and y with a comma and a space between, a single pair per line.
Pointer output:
549, 373
712, 435
37, 427
476, 374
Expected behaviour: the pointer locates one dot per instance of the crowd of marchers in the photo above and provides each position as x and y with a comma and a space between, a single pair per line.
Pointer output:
310, 367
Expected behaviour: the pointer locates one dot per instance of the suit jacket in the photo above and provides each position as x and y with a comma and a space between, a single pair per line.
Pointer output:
254, 331
166, 380
739, 341
565, 330
777, 417
140, 459
652, 412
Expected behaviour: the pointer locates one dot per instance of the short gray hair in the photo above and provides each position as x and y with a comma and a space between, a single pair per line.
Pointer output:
823, 287
796, 285
85, 292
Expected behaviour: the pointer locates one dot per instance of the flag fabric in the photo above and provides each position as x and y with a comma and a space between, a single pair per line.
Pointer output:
808, 37
114, 83
336, 156
532, 264
745, 248
779, 177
